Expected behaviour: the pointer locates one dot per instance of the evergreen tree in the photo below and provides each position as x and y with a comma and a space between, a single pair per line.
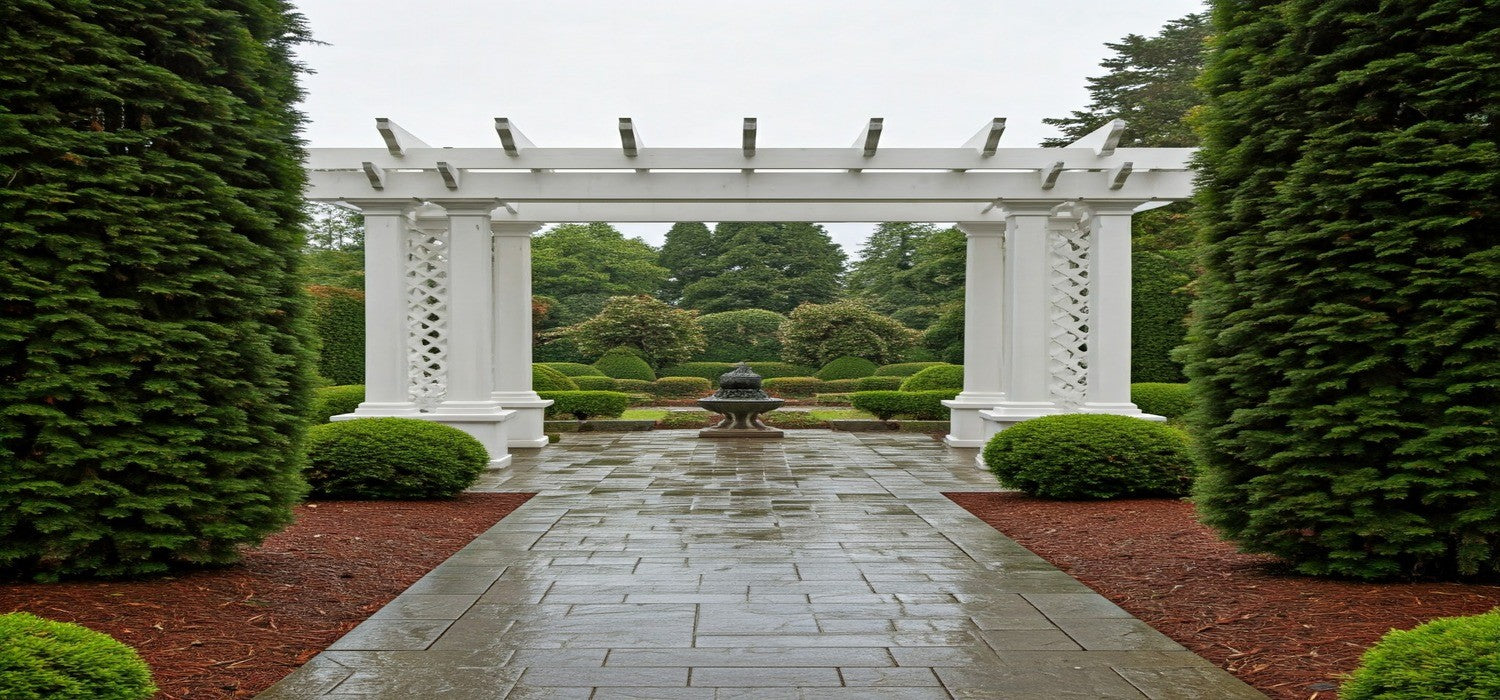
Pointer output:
775, 266
935, 280
582, 265
687, 255
1150, 83
876, 277
154, 349
1345, 351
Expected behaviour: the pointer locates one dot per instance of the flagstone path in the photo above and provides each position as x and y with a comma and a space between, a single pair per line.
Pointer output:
824, 565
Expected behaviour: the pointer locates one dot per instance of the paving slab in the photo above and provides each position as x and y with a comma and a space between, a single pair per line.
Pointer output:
821, 565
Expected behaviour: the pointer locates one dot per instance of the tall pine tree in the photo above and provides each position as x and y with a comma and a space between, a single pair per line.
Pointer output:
1346, 349
688, 255
154, 352
776, 266
877, 276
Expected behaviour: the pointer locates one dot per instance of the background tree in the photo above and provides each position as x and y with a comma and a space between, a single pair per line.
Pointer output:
581, 265
1345, 352
335, 252
687, 255
746, 335
815, 334
155, 367
935, 280
877, 277
663, 335
774, 266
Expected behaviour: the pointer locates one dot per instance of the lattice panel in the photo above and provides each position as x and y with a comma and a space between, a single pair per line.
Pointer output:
1067, 364
427, 315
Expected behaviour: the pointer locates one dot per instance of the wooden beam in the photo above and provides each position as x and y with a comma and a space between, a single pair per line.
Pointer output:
397, 140
1049, 176
449, 174
987, 140
1118, 176
869, 139
630, 141
1103, 140
374, 174
511, 138
747, 137
671, 212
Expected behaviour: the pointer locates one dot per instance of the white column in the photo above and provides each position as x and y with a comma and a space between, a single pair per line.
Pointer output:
984, 295
1108, 388
467, 403
512, 363
1027, 317
386, 364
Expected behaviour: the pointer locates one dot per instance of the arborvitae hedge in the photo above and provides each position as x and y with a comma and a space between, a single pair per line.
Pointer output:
155, 367
1345, 352
339, 316
1159, 307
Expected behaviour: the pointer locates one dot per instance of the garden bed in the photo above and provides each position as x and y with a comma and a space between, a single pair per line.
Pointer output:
232, 632
1289, 636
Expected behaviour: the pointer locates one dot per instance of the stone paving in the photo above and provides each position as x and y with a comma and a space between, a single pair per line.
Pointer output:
824, 565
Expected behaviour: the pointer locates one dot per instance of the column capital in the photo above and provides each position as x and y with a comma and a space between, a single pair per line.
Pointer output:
982, 228
388, 207
468, 207
514, 228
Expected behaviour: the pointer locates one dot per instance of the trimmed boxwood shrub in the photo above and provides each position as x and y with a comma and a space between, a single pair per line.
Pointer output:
681, 387
373, 458
903, 369
840, 386
706, 370
1450, 658
792, 419
917, 405
775, 370
792, 387
676, 420
880, 383
573, 369
1091, 456
937, 377
44, 659
584, 405
743, 335
599, 383
330, 401
339, 318
832, 399
847, 368
1169, 400
547, 379
630, 386
621, 363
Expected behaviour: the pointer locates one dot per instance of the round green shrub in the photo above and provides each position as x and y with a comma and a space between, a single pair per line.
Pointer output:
573, 369
739, 336
706, 370
544, 378
776, 370
48, 660
330, 401
584, 405
917, 405
681, 387
600, 383
879, 383
904, 369
1167, 400
792, 387
935, 377
840, 386
377, 458
1091, 456
1448, 658
621, 363
847, 368
629, 386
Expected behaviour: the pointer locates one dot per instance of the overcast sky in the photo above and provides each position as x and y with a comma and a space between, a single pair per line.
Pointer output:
688, 71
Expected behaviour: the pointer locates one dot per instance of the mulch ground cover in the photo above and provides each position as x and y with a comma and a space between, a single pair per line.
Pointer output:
232, 632
1289, 636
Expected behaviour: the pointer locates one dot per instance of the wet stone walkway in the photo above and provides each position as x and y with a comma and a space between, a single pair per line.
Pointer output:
824, 565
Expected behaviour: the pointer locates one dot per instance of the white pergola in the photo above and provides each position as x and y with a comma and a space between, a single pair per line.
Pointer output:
448, 254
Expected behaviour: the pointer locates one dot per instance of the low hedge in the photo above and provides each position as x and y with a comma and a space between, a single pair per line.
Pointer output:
832, 399
330, 401
706, 370
792, 420
916, 405
43, 659
584, 405
840, 386
598, 383
545, 378
1091, 456
573, 369
1169, 400
935, 377
846, 368
682, 387
879, 383
621, 363
630, 386
792, 387
1447, 658
378, 458
904, 369
676, 420
774, 370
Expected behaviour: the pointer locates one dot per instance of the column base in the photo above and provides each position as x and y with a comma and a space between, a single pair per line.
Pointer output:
1119, 409
526, 429
965, 427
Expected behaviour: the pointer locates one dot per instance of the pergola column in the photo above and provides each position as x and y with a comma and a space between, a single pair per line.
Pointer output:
1108, 388
512, 344
467, 403
386, 362
1027, 318
984, 317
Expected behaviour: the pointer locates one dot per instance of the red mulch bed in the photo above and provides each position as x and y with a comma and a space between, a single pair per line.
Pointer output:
232, 632
1289, 636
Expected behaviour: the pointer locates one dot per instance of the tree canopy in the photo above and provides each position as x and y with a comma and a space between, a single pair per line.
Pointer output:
774, 266
581, 265
661, 334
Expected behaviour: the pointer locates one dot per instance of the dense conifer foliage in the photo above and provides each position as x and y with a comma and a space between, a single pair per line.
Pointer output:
1345, 352
154, 353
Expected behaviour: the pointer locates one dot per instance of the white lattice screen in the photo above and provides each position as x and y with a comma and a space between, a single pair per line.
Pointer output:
1068, 263
427, 315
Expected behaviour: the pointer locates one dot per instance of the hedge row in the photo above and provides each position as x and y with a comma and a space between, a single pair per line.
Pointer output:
681, 387
792, 387
917, 405
903, 369
339, 317
574, 369
847, 368
584, 405
712, 370
1169, 400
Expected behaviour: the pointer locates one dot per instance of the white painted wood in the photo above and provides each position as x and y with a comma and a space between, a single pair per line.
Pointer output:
1118, 175
630, 141
1050, 175
987, 140
374, 174
984, 319
512, 347
747, 137
512, 141
1027, 318
1103, 140
397, 140
1108, 388
449, 174
671, 212
385, 310
869, 139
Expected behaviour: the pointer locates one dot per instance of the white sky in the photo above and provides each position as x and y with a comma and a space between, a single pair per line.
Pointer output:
688, 71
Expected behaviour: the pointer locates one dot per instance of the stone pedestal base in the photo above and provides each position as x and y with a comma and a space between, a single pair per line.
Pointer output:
965, 426
740, 433
526, 430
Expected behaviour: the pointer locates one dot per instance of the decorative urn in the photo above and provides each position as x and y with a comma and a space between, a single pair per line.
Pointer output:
741, 401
